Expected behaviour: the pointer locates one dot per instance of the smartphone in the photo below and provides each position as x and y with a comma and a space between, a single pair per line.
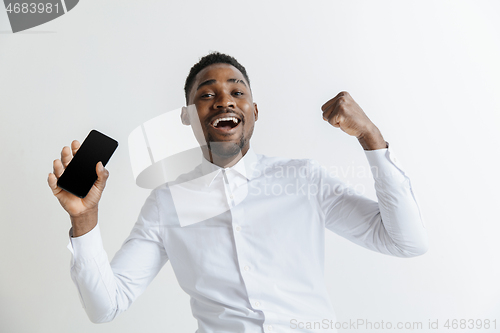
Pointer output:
80, 174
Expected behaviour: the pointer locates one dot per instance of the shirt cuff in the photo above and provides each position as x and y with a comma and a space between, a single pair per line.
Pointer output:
383, 162
86, 247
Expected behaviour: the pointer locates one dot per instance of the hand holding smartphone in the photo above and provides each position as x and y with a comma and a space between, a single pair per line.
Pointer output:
80, 174
78, 180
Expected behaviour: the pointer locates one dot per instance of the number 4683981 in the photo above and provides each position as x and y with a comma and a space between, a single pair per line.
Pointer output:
32, 8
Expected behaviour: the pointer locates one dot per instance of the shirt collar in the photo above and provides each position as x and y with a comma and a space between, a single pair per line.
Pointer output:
246, 166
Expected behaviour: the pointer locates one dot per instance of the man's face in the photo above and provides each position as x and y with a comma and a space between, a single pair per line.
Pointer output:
221, 91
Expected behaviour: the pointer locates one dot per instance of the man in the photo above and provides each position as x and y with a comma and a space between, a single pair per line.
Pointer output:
256, 265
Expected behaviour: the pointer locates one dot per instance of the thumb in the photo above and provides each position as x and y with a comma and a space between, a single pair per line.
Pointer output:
336, 120
102, 176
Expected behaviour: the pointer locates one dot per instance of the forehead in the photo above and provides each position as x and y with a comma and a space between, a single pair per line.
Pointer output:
218, 72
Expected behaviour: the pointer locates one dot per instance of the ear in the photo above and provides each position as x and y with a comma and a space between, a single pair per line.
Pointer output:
185, 116
256, 112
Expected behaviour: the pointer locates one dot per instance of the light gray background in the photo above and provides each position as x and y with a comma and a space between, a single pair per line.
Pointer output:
426, 72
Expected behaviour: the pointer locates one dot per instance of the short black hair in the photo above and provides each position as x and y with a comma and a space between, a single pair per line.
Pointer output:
210, 59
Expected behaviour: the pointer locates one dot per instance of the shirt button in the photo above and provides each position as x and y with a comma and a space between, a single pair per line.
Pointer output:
231, 196
247, 268
238, 228
270, 327
257, 304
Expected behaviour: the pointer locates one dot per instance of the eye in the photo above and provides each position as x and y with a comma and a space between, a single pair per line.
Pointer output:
238, 93
208, 95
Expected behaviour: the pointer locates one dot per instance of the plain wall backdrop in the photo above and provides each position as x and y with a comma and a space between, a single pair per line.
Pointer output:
426, 72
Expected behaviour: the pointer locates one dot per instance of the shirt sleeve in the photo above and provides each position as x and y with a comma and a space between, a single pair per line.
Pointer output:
392, 226
107, 289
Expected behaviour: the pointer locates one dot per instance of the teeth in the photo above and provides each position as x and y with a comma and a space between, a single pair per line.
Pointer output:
235, 120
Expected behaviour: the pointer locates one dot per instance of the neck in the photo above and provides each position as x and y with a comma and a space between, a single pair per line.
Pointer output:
223, 161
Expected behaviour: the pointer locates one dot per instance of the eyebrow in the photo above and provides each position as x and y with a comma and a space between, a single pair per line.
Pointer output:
237, 81
212, 81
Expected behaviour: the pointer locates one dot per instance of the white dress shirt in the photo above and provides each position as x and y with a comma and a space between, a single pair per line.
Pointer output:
247, 242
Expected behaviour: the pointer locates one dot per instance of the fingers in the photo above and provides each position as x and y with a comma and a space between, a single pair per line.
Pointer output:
75, 145
334, 100
59, 165
66, 156
52, 181
58, 168
102, 176
67, 153
332, 112
332, 109
336, 120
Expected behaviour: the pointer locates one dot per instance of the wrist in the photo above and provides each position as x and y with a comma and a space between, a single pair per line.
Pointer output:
372, 139
83, 223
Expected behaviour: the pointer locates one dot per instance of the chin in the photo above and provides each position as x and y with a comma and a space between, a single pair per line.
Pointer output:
224, 149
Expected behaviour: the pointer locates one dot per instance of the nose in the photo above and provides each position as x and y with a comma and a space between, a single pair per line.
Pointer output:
224, 101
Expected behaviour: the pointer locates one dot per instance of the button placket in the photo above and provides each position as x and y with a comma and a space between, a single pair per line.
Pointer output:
228, 189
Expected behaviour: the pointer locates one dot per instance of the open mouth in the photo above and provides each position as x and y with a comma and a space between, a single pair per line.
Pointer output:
226, 124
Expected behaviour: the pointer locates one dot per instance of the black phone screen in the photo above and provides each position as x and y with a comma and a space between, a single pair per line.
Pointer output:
80, 174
